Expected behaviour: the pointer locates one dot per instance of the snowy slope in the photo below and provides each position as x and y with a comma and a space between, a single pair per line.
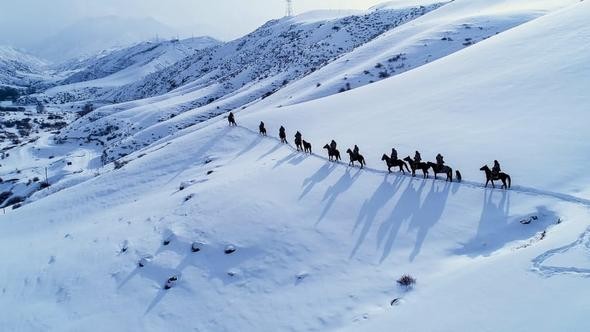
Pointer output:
235, 74
320, 245
399, 49
458, 25
18, 68
521, 114
121, 67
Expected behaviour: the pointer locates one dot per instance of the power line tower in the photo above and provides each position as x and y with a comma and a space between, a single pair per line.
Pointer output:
289, 10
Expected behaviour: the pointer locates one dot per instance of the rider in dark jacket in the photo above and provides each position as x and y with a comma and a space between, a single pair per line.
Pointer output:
393, 154
333, 145
283, 134
496, 169
439, 160
417, 157
355, 151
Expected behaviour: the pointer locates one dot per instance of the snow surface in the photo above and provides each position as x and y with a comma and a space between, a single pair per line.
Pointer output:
319, 246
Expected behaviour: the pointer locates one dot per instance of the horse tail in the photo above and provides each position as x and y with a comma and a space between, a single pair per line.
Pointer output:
509, 181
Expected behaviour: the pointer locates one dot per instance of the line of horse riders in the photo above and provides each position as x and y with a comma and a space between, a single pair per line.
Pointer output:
392, 160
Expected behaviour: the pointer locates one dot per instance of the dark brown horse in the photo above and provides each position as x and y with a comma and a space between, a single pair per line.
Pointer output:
299, 144
417, 166
355, 157
444, 169
505, 178
262, 129
306, 147
333, 154
394, 163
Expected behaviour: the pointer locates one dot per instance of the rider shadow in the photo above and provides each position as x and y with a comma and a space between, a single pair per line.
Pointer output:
494, 215
285, 159
298, 160
429, 214
319, 176
249, 147
335, 190
496, 228
372, 206
406, 207
271, 151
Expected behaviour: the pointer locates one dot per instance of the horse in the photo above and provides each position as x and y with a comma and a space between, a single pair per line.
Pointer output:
306, 147
501, 176
333, 154
444, 169
298, 144
355, 157
283, 137
231, 119
262, 130
417, 166
394, 163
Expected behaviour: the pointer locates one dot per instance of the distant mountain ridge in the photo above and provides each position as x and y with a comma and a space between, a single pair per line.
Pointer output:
87, 37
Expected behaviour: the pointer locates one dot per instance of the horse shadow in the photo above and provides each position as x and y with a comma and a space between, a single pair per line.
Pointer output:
285, 159
429, 213
494, 214
335, 190
372, 206
496, 227
271, 151
319, 176
249, 147
406, 207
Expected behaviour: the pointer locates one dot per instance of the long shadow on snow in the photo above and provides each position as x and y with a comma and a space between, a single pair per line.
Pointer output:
429, 214
496, 227
372, 206
407, 205
319, 176
335, 190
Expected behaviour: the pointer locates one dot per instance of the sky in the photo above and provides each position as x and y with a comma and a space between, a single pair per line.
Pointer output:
26, 22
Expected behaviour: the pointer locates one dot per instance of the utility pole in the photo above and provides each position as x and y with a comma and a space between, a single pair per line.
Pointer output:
289, 10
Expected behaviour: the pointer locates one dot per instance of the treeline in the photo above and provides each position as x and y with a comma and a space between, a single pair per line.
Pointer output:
8, 93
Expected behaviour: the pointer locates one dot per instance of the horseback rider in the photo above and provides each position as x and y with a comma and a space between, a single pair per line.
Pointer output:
282, 135
231, 119
297, 137
439, 161
417, 158
355, 151
496, 169
393, 154
333, 145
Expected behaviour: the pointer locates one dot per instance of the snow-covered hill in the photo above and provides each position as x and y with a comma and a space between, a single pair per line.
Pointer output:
288, 241
18, 68
235, 74
243, 79
97, 76
92, 35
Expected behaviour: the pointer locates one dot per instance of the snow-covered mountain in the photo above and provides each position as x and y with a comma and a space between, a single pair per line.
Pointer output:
235, 74
97, 76
92, 35
252, 235
18, 68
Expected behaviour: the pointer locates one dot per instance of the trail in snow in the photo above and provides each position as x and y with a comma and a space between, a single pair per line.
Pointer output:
519, 189
541, 267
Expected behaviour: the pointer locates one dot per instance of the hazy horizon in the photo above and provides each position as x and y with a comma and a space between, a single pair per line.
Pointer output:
29, 22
